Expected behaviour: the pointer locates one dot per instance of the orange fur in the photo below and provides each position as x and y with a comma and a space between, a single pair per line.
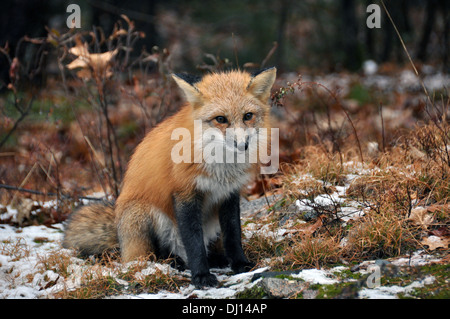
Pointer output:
151, 177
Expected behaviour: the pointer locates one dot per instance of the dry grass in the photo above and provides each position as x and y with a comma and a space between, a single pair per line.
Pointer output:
108, 277
259, 248
58, 261
414, 171
380, 235
320, 164
16, 249
314, 251
91, 279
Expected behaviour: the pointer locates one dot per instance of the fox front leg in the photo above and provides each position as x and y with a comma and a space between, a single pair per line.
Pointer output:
189, 219
230, 223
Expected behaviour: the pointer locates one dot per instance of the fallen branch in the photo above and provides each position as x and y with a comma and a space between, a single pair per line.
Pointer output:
35, 192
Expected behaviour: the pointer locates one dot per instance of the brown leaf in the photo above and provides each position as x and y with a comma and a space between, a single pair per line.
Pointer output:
434, 242
308, 231
442, 231
80, 49
420, 217
78, 63
98, 63
438, 208
311, 229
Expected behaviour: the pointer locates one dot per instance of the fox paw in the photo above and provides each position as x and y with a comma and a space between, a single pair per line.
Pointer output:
242, 267
204, 280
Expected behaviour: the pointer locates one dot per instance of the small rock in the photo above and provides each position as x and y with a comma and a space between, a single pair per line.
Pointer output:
310, 294
310, 215
429, 280
256, 207
281, 288
381, 262
272, 274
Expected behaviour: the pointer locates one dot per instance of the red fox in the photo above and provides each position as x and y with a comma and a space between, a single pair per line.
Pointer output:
185, 208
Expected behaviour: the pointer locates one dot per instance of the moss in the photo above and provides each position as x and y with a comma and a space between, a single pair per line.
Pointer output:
361, 94
255, 292
283, 276
347, 274
279, 204
127, 130
56, 108
41, 240
335, 290
438, 289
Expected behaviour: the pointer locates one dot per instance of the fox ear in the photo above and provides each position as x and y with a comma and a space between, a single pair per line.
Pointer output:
187, 85
261, 83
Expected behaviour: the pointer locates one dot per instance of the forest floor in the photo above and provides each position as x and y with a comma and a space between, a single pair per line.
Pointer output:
33, 265
359, 207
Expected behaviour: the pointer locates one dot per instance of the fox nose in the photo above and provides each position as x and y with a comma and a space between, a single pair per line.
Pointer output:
242, 146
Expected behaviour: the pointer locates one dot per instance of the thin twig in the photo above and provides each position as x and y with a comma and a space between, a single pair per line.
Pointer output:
269, 55
23, 114
382, 127
409, 56
345, 112
35, 192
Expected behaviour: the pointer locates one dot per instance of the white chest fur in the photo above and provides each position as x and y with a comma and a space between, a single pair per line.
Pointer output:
222, 179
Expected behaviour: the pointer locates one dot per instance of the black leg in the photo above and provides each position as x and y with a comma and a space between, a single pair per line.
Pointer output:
230, 223
216, 256
189, 220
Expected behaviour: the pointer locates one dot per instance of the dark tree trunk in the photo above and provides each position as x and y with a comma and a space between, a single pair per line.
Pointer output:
427, 28
352, 59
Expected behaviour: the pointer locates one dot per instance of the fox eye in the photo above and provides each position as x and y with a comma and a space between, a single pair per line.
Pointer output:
221, 119
248, 116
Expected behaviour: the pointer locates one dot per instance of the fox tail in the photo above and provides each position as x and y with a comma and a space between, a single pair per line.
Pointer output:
91, 230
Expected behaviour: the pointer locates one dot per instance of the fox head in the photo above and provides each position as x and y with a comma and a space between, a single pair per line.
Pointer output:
232, 106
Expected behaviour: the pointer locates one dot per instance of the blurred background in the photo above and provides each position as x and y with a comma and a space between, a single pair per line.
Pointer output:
320, 35
363, 117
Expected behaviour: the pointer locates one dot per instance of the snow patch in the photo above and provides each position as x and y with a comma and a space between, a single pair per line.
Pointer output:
316, 276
